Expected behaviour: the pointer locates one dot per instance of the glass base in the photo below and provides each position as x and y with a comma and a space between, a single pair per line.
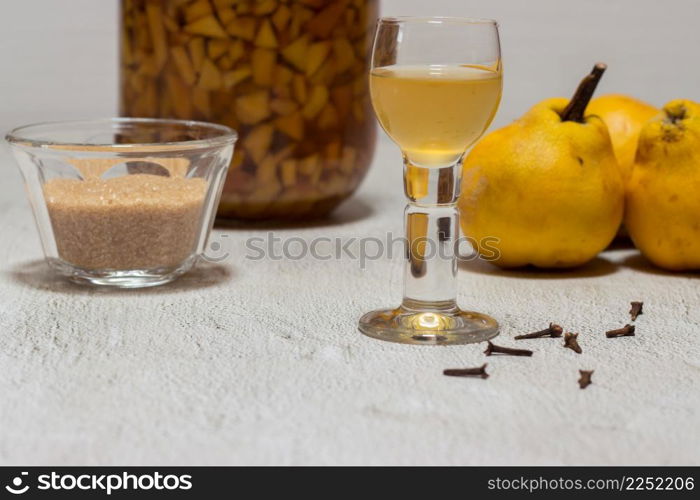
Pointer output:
407, 325
130, 278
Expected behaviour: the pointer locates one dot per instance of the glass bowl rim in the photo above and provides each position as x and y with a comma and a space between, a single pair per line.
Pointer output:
437, 20
226, 135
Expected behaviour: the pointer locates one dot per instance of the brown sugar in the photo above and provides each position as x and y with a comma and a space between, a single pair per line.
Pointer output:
131, 222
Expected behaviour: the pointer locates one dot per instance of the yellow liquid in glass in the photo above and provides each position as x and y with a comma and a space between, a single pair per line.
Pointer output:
434, 113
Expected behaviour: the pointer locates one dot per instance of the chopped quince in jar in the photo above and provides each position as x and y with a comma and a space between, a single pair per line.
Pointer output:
289, 75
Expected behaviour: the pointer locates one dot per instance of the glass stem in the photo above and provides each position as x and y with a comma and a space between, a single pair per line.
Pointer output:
432, 231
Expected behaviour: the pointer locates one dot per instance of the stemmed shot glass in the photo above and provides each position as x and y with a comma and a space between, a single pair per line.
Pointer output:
435, 85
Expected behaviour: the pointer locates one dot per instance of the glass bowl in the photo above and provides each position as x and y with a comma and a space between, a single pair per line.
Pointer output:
125, 202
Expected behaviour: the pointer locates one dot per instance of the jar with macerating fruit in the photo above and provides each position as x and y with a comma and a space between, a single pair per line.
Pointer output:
289, 75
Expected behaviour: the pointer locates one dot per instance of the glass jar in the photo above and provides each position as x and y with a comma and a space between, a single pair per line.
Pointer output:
289, 75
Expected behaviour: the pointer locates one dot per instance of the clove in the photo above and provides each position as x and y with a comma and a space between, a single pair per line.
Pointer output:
625, 331
585, 379
636, 310
571, 342
495, 349
551, 331
467, 372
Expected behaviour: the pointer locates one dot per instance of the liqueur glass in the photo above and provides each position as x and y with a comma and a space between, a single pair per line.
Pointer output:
435, 85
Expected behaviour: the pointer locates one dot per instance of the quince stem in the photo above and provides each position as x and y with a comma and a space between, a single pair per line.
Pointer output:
576, 108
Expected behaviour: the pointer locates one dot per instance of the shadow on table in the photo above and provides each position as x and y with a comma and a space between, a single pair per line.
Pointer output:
352, 210
639, 263
37, 274
596, 267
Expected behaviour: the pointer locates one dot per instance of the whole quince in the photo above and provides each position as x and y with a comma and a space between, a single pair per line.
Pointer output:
624, 116
545, 190
663, 197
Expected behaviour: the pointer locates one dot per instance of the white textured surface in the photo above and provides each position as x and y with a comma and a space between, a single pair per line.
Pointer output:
259, 362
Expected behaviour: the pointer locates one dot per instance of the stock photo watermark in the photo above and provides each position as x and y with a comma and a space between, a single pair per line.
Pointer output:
360, 249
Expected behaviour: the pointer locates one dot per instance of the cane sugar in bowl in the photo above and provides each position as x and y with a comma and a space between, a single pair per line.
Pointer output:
131, 222
123, 202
